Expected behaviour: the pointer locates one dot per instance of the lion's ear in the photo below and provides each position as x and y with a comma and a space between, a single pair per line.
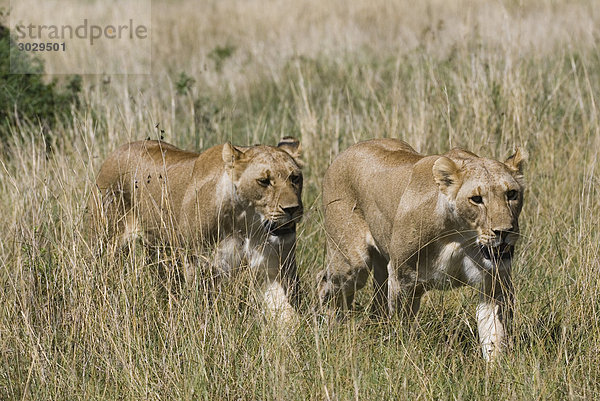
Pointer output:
447, 175
292, 147
231, 154
518, 161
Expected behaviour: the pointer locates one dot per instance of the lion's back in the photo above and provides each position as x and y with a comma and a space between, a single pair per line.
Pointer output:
153, 172
135, 157
367, 168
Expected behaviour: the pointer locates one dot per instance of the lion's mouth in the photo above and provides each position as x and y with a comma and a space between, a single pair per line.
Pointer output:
501, 252
280, 230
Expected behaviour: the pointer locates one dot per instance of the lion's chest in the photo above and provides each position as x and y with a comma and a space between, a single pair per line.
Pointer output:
262, 255
449, 266
256, 256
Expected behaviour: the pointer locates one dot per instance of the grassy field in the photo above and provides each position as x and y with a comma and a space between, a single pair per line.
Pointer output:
439, 74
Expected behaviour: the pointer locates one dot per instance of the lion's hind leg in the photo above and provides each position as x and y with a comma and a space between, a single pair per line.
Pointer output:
110, 222
349, 251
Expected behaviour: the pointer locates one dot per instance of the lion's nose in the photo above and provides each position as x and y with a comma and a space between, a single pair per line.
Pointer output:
291, 210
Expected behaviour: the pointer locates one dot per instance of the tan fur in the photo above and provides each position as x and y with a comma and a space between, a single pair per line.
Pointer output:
412, 221
245, 199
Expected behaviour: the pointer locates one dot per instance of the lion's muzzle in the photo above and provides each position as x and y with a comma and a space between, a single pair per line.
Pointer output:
498, 245
283, 225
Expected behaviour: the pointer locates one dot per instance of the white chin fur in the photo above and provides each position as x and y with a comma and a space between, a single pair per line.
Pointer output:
278, 239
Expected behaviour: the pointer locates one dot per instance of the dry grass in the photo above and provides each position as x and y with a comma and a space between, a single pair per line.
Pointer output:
438, 74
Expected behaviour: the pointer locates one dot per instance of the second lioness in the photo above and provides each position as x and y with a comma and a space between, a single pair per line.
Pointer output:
246, 200
422, 222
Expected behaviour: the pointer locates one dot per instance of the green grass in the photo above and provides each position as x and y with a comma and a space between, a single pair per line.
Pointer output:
25, 97
77, 326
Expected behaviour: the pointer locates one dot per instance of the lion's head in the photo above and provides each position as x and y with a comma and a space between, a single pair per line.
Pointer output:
486, 196
268, 179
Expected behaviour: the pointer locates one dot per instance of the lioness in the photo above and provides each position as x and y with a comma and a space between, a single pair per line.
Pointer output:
422, 222
247, 200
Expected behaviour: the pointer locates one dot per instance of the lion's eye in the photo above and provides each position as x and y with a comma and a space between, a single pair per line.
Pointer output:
512, 195
477, 199
264, 182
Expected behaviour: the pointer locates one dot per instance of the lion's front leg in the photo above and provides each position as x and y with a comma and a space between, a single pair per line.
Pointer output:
282, 286
404, 292
494, 313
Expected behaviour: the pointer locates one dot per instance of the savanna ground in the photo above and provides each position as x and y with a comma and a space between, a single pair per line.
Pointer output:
485, 76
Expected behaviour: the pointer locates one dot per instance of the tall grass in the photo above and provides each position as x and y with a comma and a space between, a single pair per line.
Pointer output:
438, 74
